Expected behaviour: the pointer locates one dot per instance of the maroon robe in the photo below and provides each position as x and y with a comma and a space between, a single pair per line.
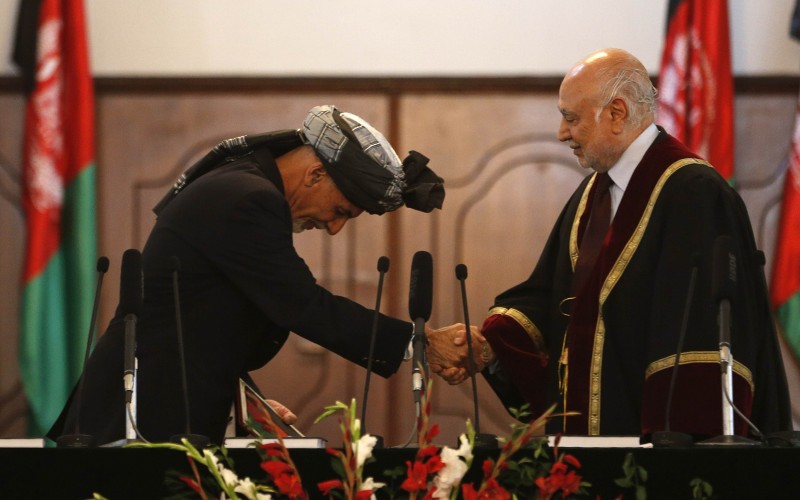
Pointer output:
615, 362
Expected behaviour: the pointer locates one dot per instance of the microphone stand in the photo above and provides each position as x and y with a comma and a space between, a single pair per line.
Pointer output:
420, 361
129, 377
482, 440
197, 440
728, 436
79, 440
724, 280
668, 438
383, 267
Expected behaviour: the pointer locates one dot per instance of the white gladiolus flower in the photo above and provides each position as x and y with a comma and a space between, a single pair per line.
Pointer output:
455, 466
228, 475
247, 488
363, 449
370, 484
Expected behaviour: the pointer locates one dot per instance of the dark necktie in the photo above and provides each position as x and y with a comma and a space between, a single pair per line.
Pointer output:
595, 232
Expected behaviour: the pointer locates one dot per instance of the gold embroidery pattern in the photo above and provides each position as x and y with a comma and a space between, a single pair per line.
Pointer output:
573, 234
531, 329
611, 280
692, 357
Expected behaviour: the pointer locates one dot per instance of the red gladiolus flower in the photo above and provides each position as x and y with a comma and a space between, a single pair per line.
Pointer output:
363, 495
572, 461
276, 468
434, 465
272, 449
559, 480
494, 491
417, 479
426, 453
326, 486
488, 465
289, 485
432, 432
468, 492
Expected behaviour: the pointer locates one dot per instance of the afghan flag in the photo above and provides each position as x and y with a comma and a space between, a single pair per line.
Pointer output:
58, 198
785, 289
695, 84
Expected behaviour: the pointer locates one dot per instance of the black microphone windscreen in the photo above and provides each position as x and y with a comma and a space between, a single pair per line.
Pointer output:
420, 293
723, 275
130, 287
175, 263
461, 272
102, 264
383, 264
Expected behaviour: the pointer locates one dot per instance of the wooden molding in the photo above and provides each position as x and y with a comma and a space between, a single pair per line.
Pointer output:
767, 84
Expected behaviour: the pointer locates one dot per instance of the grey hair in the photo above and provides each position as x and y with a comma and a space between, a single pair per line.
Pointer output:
633, 86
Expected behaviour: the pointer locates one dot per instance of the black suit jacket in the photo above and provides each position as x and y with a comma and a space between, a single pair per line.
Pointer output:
243, 288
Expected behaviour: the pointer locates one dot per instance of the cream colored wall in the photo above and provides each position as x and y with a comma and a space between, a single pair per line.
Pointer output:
407, 38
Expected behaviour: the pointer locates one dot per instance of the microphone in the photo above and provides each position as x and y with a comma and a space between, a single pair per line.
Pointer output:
130, 304
79, 440
481, 440
197, 440
383, 268
723, 290
420, 298
668, 438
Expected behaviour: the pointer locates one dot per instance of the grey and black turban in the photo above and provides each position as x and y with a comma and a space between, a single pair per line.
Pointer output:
361, 162
366, 168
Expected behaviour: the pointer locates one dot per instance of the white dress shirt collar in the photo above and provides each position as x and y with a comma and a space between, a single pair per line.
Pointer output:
622, 171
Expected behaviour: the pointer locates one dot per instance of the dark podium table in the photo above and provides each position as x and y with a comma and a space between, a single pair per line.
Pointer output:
136, 473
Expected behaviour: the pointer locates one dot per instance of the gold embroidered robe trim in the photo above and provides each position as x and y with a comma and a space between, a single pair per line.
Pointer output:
691, 357
612, 278
526, 324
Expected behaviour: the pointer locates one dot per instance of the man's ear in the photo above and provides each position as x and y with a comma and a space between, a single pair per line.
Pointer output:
619, 114
314, 173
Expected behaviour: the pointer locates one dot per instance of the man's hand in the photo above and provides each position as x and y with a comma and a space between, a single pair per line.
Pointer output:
285, 413
448, 355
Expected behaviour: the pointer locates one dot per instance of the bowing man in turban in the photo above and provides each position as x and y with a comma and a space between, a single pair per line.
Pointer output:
229, 220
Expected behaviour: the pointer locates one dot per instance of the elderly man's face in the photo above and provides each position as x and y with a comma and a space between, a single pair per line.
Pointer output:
585, 124
323, 207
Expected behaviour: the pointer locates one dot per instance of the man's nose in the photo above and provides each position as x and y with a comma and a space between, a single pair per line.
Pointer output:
336, 225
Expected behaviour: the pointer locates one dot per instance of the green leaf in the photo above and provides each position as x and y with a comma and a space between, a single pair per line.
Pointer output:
624, 482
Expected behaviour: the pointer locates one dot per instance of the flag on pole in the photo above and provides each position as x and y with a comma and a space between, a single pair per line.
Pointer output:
58, 197
785, 289
695, 85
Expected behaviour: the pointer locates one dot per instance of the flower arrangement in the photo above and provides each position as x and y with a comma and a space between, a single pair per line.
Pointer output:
349, 462
522, 469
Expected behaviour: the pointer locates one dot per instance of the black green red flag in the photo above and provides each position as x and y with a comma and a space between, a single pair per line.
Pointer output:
695, 84
785, 288
58, 198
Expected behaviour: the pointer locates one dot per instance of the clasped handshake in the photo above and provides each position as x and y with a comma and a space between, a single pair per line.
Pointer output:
448, 353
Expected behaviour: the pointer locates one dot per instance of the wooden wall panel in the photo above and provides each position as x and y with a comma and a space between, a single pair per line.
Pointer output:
13, 407
506, 179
